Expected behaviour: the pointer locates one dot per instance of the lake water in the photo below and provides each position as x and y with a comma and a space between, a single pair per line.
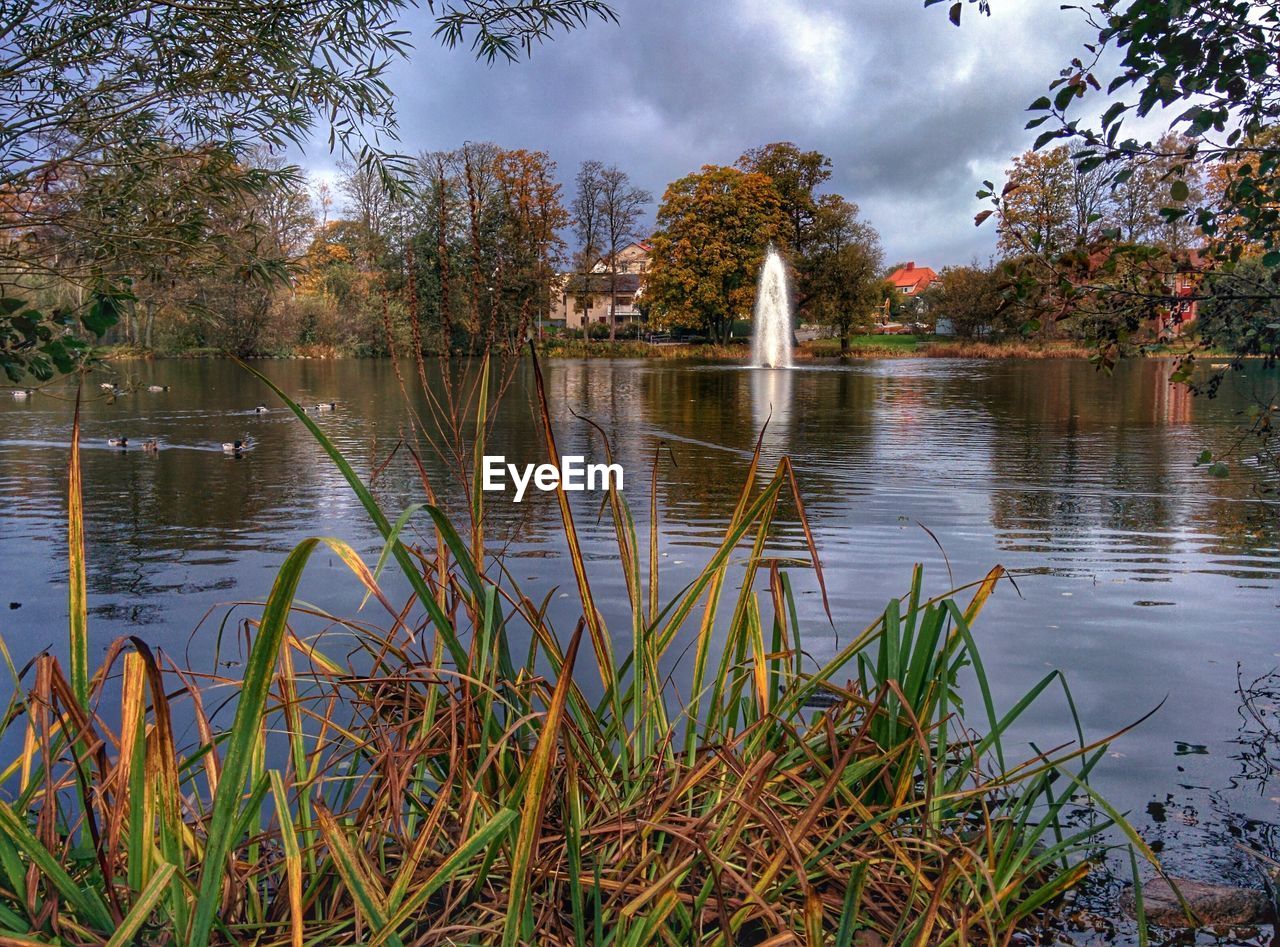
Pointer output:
1141, 576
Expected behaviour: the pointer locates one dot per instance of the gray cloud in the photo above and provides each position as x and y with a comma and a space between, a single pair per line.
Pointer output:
913, 112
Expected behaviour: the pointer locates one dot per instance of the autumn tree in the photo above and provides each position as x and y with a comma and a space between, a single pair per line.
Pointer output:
1203, 73
1243, 315
530, 246
476, 253
840, 275
1223, 183
970, 299
796, 176
99, 104
369, 203
620, 206
713, 228
1038, 211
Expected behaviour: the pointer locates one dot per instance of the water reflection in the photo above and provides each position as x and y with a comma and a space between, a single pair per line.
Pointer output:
1143, 576
771, 406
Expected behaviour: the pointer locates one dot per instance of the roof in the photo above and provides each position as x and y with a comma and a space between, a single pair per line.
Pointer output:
595, 283
914, 277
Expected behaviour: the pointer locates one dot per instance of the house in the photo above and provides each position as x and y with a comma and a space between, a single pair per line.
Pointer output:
912, 280
907, 283
583, 298
1184, 285
1180, 271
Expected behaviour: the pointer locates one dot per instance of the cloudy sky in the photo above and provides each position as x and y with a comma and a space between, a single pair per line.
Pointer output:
913, 112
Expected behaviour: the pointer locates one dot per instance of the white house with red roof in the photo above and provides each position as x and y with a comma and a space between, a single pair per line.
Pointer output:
912, 280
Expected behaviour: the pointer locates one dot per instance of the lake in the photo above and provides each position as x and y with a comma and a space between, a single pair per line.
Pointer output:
1140, 575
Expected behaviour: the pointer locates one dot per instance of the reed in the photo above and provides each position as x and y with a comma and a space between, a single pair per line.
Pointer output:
449, 780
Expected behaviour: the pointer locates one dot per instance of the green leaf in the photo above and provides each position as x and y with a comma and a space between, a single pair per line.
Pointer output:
86, 900
1064, 97
1114, 112
142, 908
1044, 139
1179, 191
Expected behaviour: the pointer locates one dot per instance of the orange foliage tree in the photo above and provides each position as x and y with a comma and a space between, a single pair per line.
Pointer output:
714, 227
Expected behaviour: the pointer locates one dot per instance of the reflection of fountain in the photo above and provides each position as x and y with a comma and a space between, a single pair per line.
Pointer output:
771, 331
771, 402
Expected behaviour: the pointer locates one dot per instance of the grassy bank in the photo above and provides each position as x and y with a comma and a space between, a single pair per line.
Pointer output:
468, 773
863, 346
906, 346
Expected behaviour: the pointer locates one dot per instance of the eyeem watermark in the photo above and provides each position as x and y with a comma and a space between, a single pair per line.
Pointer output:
573, 475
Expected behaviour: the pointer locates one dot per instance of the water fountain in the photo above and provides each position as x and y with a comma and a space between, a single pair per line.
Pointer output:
771, 329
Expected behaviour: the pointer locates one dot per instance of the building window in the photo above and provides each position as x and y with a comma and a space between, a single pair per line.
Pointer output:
624, 302
906, 289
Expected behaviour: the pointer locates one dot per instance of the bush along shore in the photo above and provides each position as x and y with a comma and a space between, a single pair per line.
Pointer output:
825, 350
470, 774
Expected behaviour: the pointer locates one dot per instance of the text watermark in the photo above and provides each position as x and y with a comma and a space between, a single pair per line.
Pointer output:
573, 475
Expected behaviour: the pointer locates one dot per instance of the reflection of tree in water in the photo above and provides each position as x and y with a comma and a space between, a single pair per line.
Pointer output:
1098, 468
1203, 832
711, 419
1214, 832
1259, 740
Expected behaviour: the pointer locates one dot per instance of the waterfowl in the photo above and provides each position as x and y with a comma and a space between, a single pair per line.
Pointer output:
235, 447
260, 409
327, 406
22, 394
107, 386
151, 446
117, 442
157, 388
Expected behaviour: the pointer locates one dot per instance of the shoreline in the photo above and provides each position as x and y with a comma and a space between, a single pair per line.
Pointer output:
805, 353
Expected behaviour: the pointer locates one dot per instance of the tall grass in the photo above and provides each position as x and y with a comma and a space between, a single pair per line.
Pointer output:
447, 780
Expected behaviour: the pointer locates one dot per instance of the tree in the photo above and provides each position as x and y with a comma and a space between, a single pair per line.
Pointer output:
1038, 213
100, 102
840, 275
1090, 199
1207, 68
530, 244
287, 220
1087, 249
473, 255
1225, 180
368, 202
586, 214
970, 299
1243, 315
619, 208
713, 229
796, 175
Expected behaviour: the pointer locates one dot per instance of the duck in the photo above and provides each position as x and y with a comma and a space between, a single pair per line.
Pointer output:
235, 447
117, 442
22, 394
157, 388
107, 386
261, 409
327, 406
151, 446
